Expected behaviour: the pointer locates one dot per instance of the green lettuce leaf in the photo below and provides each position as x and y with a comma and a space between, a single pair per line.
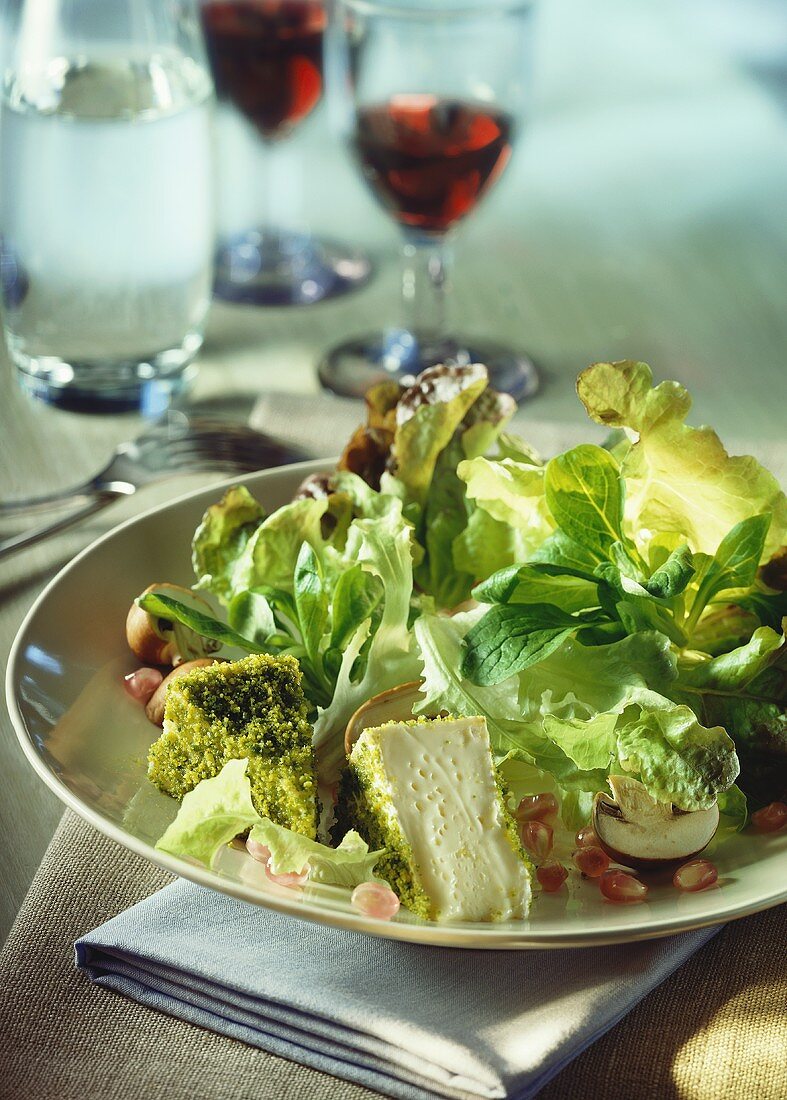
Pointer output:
425, 432
346, 865
221, 538
271, 553
731, 672
676, 758
540, 583
511, 637
678, 478
382, 547
589, 743
217, 810
512, 493
205, 625
584, 493
486, 545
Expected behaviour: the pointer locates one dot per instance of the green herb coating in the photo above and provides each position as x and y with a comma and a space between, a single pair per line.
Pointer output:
250, 709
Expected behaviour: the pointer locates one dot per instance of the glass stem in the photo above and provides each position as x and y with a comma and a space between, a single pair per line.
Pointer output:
425, 284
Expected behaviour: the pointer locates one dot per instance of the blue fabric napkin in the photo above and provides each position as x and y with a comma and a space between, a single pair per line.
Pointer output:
409, 1021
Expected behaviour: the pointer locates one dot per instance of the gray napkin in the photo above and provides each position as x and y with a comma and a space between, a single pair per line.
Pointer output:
409, 1021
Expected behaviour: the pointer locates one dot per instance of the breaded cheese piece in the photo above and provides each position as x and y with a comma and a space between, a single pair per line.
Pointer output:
250, 709
428, 792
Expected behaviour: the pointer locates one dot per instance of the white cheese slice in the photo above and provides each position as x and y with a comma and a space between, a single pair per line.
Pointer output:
442, 787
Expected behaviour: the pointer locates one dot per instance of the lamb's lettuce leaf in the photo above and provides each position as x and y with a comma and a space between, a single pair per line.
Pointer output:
584, 493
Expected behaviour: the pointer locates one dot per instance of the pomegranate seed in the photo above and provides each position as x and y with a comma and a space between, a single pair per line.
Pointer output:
770, 818
536, 837
536, 807
592, 861
141, 684
261, 852
695, 875
258, 851
619, 886
551, 875
375, 899
586, 838
289, 878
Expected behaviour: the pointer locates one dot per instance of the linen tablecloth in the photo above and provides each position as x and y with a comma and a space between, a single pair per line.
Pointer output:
715, 1030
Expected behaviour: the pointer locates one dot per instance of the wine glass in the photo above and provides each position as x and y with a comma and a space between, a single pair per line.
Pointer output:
267, 61
436, 96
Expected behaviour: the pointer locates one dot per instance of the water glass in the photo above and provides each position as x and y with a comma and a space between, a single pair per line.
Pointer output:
106, 234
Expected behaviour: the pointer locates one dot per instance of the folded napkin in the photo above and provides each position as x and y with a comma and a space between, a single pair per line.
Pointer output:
409, 1021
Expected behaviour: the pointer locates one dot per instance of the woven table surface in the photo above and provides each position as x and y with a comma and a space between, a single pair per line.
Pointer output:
715, 1030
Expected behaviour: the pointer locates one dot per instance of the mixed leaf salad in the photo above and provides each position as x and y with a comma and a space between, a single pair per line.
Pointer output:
616, 610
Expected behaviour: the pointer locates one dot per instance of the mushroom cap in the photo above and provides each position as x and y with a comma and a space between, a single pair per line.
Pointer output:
151, 638
637, 831
394, 705
154, 708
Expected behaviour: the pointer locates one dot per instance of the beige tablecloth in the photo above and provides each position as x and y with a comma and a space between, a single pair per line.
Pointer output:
715, 1030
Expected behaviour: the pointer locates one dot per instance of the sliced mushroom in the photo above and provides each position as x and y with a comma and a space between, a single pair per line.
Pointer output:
158, 641
637, 831
154, 708
394, 705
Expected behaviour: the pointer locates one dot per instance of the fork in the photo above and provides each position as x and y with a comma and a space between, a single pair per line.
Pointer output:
175, 444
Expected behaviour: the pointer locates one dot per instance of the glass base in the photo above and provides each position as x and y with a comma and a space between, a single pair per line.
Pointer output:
269, 268
354, 367
147, 386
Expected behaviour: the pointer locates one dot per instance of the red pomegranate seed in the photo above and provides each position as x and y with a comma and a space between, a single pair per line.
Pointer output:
375, 899
587, 838
536, 807
621, 887
551, 875
770, 818
695, 875
591, 861
536, 839
141, 684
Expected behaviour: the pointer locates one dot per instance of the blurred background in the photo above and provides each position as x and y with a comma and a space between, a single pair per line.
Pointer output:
643, 215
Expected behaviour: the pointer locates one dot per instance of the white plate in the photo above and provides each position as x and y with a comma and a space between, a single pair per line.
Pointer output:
88, 741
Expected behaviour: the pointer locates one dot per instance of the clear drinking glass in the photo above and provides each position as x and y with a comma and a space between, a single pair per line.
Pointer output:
437, 96
106, 210
267, 63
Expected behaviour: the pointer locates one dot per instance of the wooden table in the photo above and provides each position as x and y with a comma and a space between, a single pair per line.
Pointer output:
644, 218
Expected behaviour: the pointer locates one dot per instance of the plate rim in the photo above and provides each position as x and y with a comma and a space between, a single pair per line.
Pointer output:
425, 933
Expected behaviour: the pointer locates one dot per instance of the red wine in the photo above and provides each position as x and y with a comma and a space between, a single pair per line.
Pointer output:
429, 160
266, 57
